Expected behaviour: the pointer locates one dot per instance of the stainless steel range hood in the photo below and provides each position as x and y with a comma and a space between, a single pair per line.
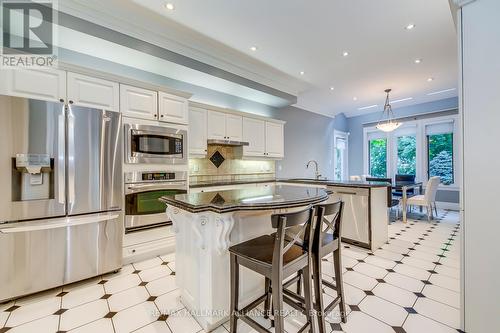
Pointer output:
226, 142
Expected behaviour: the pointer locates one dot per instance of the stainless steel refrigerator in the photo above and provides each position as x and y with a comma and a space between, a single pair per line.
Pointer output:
61, 217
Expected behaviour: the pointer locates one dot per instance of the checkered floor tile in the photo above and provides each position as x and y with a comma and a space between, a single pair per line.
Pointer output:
411, 284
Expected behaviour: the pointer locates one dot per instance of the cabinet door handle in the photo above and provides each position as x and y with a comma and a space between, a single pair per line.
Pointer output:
155, 115
349, 193
161, 116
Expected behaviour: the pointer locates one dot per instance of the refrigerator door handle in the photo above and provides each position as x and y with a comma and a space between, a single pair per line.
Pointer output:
71, 157
58, 223
61, 188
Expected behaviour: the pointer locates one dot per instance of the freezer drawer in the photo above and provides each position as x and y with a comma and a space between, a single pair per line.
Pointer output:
44, 254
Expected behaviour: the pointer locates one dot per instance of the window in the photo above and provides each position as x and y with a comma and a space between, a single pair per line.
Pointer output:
440, 157
377, 150
425, 147
340, 156
407, 155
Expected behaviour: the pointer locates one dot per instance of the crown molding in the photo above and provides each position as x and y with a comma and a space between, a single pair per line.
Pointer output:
461, 3
159, 30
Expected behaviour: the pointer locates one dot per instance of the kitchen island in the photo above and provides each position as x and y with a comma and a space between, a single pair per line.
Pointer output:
207, 223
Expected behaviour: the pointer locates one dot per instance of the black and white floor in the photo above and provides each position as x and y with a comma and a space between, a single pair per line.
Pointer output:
409, 285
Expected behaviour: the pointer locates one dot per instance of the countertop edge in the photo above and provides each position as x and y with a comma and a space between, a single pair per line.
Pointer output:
211, 208
287, 180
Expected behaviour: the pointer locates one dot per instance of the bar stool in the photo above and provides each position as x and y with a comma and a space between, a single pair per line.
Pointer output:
276, 258
324, 243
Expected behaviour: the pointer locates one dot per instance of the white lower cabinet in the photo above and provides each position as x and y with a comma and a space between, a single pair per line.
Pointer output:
92, 92
142, 245
41, 84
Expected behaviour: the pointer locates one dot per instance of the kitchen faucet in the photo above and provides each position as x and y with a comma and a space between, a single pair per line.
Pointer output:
317, 174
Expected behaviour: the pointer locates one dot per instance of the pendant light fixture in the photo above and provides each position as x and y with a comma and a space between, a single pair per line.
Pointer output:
388, 124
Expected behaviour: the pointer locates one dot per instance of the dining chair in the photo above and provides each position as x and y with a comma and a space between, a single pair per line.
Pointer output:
428, 199
391, 201
399, 179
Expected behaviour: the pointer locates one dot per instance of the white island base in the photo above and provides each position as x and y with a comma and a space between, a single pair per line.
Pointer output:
202, 259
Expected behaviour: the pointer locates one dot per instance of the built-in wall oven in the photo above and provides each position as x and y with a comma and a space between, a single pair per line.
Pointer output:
159, 144
143, 210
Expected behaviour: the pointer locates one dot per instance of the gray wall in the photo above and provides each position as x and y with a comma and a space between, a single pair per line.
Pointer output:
355, 128
308, 136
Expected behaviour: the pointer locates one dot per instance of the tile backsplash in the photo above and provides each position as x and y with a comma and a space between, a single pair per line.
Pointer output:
232, 168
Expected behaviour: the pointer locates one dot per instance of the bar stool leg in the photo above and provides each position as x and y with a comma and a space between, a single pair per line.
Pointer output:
308, 297
318, 293
267, 302
235, 275
277, 286
299, 284
339, 282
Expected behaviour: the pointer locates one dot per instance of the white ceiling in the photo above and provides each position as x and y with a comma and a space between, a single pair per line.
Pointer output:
310, 36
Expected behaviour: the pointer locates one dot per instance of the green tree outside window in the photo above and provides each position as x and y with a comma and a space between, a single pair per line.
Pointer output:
407, 155
378, 157
440, 150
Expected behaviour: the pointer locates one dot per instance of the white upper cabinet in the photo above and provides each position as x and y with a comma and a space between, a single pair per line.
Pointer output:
216, 125
225, 126
275, 139
172, 109
254, 132
138, 102
197, 131
92, 92
41, 84
234, 127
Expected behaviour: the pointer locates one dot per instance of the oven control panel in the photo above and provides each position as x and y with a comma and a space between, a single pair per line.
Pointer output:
158, 175
154, 176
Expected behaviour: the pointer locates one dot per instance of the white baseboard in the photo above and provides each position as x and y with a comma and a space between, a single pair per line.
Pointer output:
448, 205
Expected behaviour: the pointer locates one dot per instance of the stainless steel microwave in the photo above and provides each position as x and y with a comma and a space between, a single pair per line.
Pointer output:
155, 144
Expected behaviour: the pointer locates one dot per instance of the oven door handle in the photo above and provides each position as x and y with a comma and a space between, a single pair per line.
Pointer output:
133, 188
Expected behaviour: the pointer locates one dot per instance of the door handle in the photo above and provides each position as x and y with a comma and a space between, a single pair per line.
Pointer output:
61, 188
58, 223
71, 157
349, 193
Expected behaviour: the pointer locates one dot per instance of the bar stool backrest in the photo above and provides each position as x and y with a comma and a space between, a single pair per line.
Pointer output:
328, 220
294, 236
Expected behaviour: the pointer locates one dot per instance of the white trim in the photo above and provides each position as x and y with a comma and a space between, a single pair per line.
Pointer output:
421, 159
461, 3
345, 135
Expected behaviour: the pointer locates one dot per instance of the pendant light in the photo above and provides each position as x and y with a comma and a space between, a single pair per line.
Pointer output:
388, 124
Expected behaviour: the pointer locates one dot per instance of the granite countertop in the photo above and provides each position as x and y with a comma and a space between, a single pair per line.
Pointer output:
344, 183
259, 198
325, 182
207, 183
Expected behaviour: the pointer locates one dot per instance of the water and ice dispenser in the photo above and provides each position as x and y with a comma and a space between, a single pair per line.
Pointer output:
32, 177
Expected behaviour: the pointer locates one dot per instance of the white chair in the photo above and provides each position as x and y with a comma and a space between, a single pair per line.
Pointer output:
428, 199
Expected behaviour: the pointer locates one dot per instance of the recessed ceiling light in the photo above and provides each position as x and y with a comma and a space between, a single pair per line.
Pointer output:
440, 92
332, 88
354, 98
368, 107
253, 48
302, 72
430, 79
401, 100
410, 26
418, 61
345, 54
169, 6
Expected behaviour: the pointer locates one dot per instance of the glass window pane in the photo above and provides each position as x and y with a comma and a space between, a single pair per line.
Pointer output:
407, 155
338, 164
440, 157
378, 157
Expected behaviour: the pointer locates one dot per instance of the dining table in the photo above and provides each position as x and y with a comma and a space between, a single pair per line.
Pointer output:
404, 187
